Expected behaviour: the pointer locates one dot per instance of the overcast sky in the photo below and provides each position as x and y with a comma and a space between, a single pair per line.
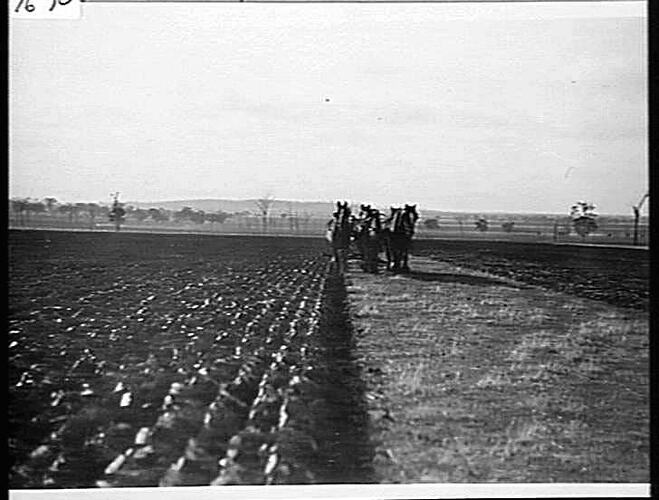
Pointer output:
514, 107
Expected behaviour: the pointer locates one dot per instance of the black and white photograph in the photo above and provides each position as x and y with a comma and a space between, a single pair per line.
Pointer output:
328, 244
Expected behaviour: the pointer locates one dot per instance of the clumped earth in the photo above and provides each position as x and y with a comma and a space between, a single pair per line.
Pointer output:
141, 360
165, 360
617, 276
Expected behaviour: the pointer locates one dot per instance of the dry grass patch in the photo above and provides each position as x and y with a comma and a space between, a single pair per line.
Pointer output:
491, 383
403, 297
411, 380
368, 310
531, 344
498, 380
527, 435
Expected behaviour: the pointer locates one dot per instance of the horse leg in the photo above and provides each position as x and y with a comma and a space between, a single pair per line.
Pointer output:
390, 257
360, 248
343, 262
369, 261
397, 254
406, 267
335, 258
376, 254
363, 247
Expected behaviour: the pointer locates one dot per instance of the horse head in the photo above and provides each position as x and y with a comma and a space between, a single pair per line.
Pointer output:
408, 219
411, 211
376, 221
346, 216
364, 210
342, 211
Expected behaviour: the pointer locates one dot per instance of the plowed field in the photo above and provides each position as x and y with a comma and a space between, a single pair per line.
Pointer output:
618, 276
165, 360
141, 360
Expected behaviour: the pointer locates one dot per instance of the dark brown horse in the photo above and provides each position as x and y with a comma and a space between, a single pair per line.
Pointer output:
398, 234
368, 236
339, 230
359, 227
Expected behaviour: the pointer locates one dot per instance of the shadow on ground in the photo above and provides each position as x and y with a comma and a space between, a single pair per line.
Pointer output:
345, 452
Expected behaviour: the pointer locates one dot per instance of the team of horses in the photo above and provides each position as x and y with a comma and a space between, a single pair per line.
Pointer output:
369, 232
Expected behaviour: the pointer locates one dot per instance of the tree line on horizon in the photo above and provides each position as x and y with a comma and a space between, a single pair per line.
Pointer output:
582, 218
26, 207
117, 212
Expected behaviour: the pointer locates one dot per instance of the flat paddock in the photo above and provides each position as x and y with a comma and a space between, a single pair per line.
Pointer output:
185, 360
472, 377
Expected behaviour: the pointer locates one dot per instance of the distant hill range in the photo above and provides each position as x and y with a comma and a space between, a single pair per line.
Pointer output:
324, 209
311, 208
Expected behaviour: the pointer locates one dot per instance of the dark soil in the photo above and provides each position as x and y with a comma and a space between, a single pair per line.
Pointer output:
617, 276
146, 360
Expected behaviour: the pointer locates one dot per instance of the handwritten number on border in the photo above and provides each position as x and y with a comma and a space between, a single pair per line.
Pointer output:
28, 6
60, 2
45, 9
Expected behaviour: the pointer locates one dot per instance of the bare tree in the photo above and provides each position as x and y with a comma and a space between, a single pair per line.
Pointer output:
264, 204
117, 213
637, 215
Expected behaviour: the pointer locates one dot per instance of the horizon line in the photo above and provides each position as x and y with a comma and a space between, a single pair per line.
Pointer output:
287, 200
